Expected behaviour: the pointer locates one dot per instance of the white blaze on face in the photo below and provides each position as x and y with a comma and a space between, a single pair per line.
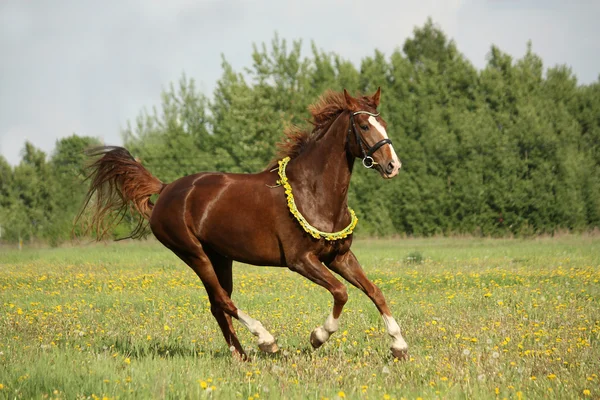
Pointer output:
373, 121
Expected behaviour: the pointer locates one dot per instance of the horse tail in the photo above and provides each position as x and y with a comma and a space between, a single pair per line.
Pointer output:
119, 184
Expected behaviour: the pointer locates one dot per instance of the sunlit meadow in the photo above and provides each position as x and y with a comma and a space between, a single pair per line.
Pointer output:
483, 318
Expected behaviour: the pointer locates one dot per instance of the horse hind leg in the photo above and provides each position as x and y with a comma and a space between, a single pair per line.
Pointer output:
223, 270
220, 299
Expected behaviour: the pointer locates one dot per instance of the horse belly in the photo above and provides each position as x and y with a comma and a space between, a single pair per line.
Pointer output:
238, 224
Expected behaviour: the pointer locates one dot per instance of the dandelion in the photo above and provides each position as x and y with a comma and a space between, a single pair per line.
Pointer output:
127, 361
167, 328
1, 386
495, 354
466, 352
341, 395
586, 392
551, 376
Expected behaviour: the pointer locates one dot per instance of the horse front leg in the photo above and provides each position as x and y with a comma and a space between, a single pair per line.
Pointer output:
312, 268
348, 267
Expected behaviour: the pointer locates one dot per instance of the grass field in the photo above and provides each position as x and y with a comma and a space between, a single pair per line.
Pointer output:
483, 318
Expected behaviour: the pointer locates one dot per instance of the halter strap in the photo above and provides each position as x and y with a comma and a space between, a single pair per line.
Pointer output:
367, 159
366, 112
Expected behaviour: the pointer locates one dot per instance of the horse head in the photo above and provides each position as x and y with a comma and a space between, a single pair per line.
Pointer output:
367, 136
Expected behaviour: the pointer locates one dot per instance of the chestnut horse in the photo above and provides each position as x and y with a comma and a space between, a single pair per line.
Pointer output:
210, 219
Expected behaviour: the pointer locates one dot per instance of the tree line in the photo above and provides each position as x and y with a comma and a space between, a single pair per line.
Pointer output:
509, 149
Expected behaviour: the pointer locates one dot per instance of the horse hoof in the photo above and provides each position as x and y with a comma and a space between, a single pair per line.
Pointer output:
269, 347
314, 340
400, 354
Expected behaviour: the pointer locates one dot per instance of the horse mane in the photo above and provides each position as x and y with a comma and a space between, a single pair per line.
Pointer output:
324, 111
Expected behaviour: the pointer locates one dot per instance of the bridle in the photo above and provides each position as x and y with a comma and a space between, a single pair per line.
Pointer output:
367, 159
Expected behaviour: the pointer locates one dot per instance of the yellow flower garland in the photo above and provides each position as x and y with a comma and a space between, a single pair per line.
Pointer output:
311, 230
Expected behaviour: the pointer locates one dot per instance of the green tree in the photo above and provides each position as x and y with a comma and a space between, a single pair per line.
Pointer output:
68, 163
245, 124
174, 141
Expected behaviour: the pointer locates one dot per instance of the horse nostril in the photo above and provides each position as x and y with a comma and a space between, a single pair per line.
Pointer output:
390, 167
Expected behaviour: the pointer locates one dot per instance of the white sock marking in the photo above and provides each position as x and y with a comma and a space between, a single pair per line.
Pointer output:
394, 331
256, 328
331, 325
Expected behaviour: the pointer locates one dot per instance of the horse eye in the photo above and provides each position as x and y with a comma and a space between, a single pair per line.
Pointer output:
364, 127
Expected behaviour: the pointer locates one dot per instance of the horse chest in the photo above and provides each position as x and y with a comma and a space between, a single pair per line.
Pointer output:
328, 250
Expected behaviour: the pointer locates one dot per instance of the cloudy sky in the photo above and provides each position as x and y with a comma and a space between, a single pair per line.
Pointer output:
72, 66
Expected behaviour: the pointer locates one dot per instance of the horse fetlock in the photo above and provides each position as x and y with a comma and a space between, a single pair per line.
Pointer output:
265, 339
268, 347
266, 342
331, 325
399, 343
399, 348
319, 336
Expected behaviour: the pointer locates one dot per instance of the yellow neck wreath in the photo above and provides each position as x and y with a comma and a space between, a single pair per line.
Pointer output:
311, 230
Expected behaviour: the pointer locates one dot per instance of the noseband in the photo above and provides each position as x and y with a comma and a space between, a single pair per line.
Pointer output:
367, 160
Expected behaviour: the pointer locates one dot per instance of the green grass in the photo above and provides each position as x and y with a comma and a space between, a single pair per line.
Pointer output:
484, 318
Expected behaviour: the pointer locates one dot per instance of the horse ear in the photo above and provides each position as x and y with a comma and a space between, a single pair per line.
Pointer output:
350, 101
376, 96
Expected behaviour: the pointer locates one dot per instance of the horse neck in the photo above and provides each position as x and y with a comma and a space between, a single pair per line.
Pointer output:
320, 177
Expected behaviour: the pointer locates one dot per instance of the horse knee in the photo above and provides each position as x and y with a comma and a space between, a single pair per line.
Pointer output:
340, 294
